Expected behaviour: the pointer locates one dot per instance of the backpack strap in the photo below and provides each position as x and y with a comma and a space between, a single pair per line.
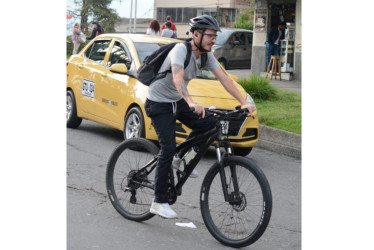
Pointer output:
186, 61
204, 58
188, 56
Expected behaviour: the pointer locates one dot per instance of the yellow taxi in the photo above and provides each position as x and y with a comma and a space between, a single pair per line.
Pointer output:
102, 87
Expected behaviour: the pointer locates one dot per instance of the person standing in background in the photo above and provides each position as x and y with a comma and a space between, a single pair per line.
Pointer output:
273, 41
173, 27
154, 28
97, 30
76, 33
167, 32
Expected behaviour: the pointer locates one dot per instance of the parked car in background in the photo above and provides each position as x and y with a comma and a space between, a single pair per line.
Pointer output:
233, 48
102, 87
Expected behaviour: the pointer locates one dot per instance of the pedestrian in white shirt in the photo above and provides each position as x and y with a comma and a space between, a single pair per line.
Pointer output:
154, 28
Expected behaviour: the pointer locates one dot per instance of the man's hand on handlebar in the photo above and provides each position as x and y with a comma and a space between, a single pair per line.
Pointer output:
197, 109
250, 109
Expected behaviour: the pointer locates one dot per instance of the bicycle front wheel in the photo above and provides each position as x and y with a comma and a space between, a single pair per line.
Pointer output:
129, 182
242, 219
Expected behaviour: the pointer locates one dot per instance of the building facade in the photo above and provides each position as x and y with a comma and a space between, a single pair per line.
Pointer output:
225, 11
123, 25
269, 13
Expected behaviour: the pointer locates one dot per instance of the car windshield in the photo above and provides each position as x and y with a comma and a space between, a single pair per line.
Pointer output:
222, 37
145, 49
205, 74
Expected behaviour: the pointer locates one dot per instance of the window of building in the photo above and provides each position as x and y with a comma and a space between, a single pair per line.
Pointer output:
231, 15
183, 15
188, 13
179, 16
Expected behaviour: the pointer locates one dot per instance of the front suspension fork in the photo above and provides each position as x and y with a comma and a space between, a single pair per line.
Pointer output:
233, 177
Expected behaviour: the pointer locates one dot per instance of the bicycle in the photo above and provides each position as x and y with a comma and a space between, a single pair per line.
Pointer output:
235, 197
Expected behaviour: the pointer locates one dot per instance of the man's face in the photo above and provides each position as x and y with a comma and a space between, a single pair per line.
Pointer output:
95, 25
283, 27
209, 39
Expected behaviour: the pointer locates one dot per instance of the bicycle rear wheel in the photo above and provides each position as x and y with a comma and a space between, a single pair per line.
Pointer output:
244, 218
124, 179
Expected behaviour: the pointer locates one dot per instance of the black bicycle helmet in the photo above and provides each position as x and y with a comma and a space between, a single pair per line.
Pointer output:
202, 23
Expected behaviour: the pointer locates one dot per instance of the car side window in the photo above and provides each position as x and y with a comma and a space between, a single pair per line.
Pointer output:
238, 36
119, 55
250, 38
97, 51
241, 38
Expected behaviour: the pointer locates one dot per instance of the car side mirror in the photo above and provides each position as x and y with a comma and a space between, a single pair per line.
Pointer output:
235, 43
119, 68
234, 77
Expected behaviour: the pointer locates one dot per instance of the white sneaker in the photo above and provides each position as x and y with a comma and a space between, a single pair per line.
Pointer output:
194, 174
163, 209
176, 164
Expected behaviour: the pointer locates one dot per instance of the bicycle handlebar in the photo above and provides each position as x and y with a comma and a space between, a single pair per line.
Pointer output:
225, 115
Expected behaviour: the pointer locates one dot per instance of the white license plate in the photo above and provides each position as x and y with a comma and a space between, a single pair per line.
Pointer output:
88, 88
225, 127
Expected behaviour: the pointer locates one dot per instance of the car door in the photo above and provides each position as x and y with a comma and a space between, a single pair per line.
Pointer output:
238, 54
114, 94
249, 36
91, 70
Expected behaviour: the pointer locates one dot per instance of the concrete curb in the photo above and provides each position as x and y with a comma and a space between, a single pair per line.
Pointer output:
280, 141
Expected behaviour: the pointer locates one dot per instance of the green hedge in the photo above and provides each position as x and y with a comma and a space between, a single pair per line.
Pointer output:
258, 87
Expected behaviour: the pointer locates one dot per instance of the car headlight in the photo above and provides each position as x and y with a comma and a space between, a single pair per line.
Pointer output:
250, 100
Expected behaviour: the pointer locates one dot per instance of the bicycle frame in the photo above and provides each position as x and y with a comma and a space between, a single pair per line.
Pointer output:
203, 142
237, 219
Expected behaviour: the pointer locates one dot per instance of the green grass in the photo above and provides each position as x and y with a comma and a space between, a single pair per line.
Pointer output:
283, 112
276, 108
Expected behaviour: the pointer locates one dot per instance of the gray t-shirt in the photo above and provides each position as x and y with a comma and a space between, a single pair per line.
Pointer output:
167, 33
163, 90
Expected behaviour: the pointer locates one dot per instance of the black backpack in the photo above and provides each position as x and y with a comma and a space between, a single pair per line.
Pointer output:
148, 71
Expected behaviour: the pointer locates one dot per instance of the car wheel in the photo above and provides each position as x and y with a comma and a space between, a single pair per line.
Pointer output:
134, 124
223, 63
242, 151
72, 120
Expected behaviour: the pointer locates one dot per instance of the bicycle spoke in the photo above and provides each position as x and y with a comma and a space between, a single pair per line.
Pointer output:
130, 198
236, 220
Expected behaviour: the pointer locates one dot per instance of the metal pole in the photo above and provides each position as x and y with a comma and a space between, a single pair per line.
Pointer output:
136, 4
130, 17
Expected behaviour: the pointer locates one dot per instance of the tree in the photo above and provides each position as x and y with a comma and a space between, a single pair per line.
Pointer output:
246, 18
95, 10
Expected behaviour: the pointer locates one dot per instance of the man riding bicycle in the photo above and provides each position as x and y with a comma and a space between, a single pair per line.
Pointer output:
168, 100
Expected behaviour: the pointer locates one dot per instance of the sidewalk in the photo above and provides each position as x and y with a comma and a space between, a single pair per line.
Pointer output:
272, 139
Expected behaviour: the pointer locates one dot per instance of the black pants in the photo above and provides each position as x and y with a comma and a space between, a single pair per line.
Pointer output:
164, 116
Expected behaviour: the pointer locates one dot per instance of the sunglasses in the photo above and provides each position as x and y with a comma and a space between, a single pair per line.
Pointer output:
211, 36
